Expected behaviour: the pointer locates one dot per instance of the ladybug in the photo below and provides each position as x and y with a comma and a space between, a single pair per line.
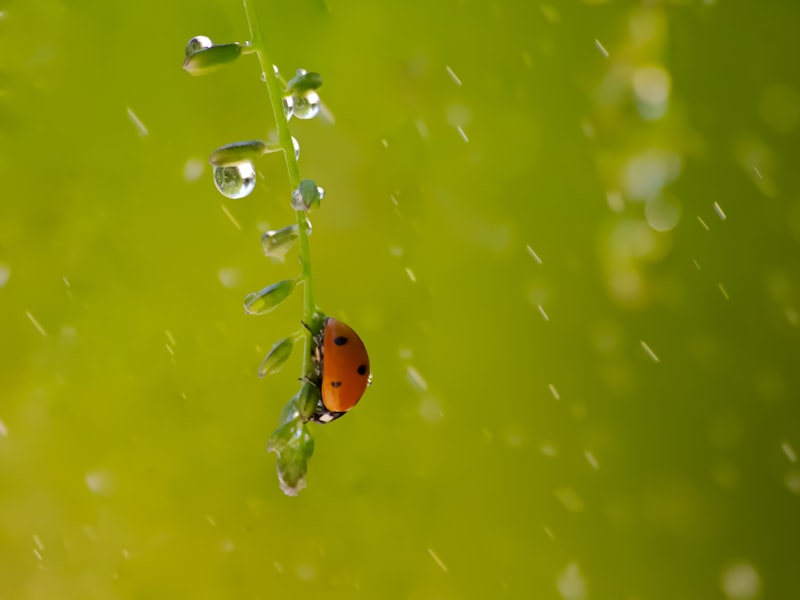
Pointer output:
343, 368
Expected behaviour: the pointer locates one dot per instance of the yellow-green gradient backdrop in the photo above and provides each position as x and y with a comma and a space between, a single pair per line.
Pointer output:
567, 231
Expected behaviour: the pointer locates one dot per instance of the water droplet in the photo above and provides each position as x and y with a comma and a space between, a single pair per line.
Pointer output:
288, 107
235, 181
198, 42
662, 213
307, 195
278, 242
306, 104
296, 145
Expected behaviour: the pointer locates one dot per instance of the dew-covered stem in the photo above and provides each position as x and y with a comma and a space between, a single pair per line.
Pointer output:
275, 94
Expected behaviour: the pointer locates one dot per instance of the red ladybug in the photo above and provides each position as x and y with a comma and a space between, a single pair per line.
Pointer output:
343, 365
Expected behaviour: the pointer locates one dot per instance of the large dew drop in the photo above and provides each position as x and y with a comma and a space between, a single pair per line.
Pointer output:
197, 43
235, 181
306, 104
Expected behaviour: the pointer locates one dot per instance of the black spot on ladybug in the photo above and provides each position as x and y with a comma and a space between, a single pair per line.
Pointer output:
336, 384
340, 341
362, 369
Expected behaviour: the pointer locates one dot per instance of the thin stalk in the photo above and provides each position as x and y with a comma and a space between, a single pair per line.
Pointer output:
275, 93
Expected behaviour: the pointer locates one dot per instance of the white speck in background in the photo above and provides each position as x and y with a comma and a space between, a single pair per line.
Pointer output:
740, 581
193, 169
229, 277
571, 583
789, 451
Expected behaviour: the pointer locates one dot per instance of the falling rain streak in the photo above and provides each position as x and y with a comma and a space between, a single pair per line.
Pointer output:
600, 47
438, 560
789, 452
703, 223
453, 76
718, 210
36, 323
649, 352
137, 122
462, 134
231, 217
533, 254
554, 391
541, 310
724, 291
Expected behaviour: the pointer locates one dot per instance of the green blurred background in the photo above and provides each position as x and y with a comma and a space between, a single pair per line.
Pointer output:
586, 373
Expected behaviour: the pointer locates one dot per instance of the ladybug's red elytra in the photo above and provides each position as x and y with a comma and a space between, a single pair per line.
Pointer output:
343, 366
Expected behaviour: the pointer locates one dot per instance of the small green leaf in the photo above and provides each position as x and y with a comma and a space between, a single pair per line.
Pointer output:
277, 243
294, 445
210, 59
284, 435
237, 152
277, 357
266, 300
304, 81
308, 398
307, 195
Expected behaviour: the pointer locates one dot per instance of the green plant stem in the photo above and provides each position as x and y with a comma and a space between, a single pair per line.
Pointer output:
275, 93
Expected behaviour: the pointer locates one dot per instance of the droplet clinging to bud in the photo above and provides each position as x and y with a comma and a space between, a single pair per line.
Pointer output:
305, 105
235, 181
307, 195
277, 243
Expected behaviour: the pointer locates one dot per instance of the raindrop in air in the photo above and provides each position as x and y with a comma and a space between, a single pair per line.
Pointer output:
197, 43
288, 107
306, 104
235, 181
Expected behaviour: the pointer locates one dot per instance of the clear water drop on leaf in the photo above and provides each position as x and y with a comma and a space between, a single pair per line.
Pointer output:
235, 181
306, 104
197, 43
307, 195
278, 242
